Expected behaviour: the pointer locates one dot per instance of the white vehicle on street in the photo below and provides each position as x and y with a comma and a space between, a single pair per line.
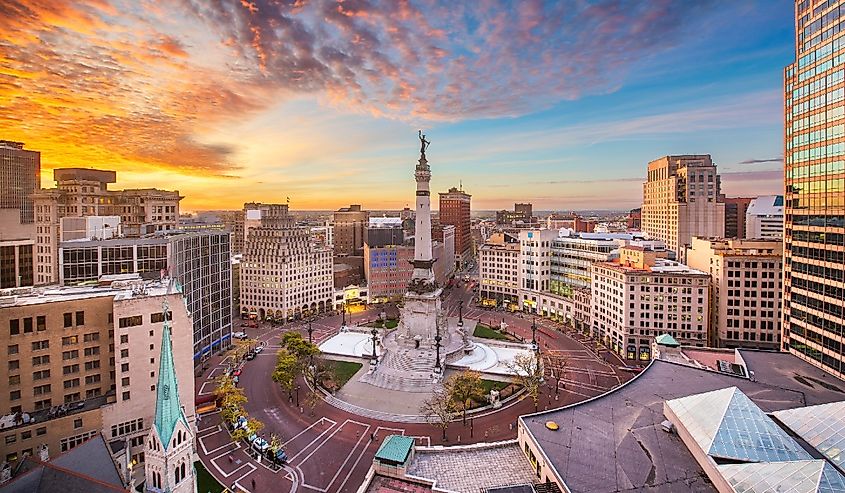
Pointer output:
239, 335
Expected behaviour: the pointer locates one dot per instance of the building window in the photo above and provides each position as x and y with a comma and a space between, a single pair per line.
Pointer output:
68, 318
14, 395
41, 323
126, 396
14, 365
77, 423
27, 325
80, 318
14, 327
124, 339
13, 349
132, 321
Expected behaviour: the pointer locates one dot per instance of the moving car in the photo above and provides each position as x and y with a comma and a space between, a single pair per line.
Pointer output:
258, 349
239, 335
250, 355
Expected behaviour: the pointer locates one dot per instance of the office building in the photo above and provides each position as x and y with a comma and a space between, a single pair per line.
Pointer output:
84, 360
285, 275
634, 222
200, 261
641, 295
388, 267
535, 252
83, 192
20, 178
498, 271
350, 223
746, 281
814, 161
572, 255
735, 209
521, 215
764, 217
455, 211
570, 221
681, 199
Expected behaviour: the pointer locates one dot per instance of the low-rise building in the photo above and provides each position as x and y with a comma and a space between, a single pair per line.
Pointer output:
641, 295
747, 284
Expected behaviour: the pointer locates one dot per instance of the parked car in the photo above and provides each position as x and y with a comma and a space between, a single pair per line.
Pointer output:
258, 349
239, 335
280, 457
250, 355
260, 445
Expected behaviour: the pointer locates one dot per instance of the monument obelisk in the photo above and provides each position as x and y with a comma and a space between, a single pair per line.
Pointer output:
421, 317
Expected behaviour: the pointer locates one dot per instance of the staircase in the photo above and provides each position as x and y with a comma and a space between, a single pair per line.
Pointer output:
405, 369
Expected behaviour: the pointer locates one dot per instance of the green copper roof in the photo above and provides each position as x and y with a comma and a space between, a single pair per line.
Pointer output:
395, 448
666, 340
168, 409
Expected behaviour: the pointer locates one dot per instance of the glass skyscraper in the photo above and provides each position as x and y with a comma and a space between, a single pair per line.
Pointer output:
814, 175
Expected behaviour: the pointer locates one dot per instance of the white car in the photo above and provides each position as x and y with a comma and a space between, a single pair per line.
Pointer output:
258, 349
239, 335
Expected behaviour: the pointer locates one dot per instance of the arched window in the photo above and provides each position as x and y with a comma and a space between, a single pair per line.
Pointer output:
176, 476
183, 470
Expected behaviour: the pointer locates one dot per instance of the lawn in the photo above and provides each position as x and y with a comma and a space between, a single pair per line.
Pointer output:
391, 324
205, 481
485, 332
344, 371
489, 385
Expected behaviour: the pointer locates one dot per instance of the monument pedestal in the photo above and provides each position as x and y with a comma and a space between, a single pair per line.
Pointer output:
419, 319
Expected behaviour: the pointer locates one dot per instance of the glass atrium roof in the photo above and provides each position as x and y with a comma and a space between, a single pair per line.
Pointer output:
821, 426
806, 476
727, 424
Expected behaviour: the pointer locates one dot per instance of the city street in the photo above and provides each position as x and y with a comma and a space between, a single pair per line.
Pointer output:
330, 450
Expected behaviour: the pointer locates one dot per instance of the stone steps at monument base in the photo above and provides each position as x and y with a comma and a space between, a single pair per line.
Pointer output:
369, 413
387, 378
409, 360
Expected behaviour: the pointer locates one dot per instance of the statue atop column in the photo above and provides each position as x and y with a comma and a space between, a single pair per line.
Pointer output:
423, 143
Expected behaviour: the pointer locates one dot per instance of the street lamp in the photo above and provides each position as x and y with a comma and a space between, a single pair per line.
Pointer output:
310, 331
461, 315
343, 313
534, 344
437, 339
374, 332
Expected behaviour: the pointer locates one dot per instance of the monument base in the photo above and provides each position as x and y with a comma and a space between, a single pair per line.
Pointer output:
419, 319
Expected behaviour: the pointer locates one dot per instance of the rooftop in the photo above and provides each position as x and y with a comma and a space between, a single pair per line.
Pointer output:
120, 290
86, 468
395, 448
615, 443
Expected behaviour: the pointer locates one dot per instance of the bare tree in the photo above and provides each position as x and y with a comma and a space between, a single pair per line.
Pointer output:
529, 373
439, 410
556, 366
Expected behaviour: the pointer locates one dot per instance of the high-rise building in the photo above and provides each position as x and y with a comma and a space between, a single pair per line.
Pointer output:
200, 261
20, 178
814, 159
84, 360
285, 275
535, 252
681, 199
640, 296
350, 223
735, 209
455, 211
746, 280
83, 192
764, 217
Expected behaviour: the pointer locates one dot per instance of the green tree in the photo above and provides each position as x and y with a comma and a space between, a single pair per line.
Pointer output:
462, 388
230, 398
253, 426
439, 410
286, 371
528, 371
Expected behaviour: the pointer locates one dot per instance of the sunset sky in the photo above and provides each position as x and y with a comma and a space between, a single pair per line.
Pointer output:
558, 103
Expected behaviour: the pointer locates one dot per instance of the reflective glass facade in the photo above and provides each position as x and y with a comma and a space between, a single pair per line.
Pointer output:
814, 175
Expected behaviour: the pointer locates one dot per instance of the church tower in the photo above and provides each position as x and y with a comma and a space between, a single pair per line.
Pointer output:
169, 448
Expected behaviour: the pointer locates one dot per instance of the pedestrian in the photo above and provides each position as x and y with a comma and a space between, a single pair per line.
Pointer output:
230, 458
253, 484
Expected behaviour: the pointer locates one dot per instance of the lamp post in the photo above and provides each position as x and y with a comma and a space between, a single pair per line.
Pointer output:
374, 332
437, 339
343, 313
461, 315
534, 336
310, 331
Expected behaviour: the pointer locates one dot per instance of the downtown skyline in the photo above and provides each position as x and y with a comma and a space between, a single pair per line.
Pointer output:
559, 104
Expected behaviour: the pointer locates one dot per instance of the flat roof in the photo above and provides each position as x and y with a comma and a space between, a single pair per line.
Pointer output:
615, 443
53, 294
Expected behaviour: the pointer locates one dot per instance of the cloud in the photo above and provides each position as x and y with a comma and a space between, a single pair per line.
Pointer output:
762, 161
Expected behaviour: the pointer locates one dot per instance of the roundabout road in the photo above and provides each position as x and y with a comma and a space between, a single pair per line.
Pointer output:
330, 450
